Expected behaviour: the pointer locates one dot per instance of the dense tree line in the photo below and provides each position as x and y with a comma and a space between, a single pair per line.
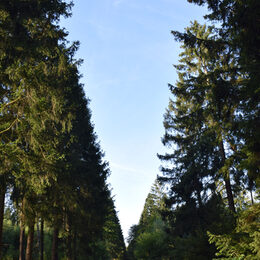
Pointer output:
148, 239
52, 170
212, 122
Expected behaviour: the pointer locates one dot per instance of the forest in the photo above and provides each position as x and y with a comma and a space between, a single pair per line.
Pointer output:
205, 202
55, 200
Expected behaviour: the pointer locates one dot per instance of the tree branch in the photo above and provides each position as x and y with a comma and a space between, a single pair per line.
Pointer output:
8, 104
9, 126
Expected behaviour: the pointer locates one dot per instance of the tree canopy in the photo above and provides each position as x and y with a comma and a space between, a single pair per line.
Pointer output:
52, 167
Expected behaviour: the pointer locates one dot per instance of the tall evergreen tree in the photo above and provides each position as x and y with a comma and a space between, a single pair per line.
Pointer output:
51, 158
213, 124
204, 93
240, 33
30, 59
199, 127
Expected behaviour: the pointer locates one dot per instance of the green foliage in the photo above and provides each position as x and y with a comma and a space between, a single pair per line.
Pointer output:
196, 124
10, 240
53, 166
243, 241
240, 31
152, 242
148, 239
188, 225
212, 127
191, 246
113, 236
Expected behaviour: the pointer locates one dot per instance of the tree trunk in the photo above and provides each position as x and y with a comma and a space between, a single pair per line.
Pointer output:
69, 247
2, 207
199, 198
197, 188
252, 197
74, 246
38, 236
54, 251
21, 242
227, 180
69, 239
29, 246
41, 239
21, 238
229, 194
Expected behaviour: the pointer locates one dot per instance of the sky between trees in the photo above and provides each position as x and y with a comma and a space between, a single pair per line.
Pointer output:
128, 54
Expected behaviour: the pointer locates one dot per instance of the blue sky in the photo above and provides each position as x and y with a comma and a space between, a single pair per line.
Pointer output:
128, 53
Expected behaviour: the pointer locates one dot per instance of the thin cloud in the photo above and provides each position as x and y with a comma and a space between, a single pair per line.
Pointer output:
125, 168
118, 2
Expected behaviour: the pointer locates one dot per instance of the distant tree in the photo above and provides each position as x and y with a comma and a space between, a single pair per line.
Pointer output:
113, 235
131, 240
148, 239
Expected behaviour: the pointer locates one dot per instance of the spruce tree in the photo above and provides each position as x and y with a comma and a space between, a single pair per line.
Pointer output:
52, 160
239, 30
148, 239
112, 233
198, 126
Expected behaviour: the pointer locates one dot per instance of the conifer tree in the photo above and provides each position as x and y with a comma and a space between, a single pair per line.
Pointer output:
239, 30
51, 158
148, 239
30, 59
113, 235
204, 93
212, 124
198, 126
